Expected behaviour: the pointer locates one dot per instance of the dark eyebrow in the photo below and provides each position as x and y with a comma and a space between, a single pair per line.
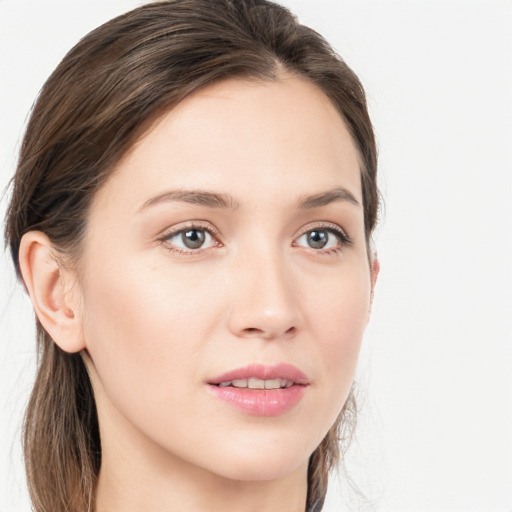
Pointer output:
216, 200
324, 198
200, 197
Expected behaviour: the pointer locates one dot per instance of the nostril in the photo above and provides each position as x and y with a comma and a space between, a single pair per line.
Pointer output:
253, 330
262, 333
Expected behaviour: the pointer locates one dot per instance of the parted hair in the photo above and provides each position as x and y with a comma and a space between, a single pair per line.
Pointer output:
101, 99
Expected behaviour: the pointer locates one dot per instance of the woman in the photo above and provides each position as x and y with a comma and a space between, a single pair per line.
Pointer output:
192, 216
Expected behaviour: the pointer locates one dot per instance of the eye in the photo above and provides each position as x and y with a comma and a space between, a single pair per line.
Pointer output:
323, 239
318, 239
190, 239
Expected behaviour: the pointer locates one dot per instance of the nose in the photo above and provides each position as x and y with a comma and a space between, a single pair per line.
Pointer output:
265, 301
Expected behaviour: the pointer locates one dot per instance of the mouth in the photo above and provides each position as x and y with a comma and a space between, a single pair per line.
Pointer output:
254, 383
261, 390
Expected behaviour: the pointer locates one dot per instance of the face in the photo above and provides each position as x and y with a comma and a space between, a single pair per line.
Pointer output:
227, 254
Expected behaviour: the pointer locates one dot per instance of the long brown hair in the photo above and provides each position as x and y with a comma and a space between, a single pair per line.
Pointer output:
101, 98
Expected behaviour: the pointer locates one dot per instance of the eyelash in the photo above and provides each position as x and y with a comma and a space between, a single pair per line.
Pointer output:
197, 226
343, 238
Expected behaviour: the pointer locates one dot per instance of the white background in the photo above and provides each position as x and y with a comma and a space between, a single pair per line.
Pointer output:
436, 371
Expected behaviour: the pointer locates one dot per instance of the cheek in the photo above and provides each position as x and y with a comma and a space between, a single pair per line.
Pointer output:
337, 308
343, 325
143, 331
337, 318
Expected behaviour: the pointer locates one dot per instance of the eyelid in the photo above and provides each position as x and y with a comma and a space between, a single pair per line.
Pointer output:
344, 241
327, 226
184, 226
190, 224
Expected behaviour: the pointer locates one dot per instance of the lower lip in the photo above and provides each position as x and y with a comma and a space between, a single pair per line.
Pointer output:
261, 402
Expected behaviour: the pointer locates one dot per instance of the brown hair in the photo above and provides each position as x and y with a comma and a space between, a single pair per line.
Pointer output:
104, 94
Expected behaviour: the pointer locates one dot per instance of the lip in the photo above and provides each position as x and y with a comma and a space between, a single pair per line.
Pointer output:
264, 372
262, 402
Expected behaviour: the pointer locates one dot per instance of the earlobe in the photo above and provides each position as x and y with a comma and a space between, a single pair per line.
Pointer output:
375, 270
49, 287
374, 274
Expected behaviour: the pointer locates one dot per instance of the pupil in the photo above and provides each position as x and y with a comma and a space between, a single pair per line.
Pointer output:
193, 239
317, 239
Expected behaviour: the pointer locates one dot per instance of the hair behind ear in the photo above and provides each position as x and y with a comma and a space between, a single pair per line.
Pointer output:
327, 455
61, 432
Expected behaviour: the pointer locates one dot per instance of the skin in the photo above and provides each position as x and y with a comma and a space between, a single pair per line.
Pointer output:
156, 321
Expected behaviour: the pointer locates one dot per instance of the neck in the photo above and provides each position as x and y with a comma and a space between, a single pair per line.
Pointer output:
179, 491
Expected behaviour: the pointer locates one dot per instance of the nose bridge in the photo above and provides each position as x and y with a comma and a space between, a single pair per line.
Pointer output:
265, 304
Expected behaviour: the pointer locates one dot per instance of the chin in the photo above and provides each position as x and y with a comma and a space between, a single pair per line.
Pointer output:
259, 459
261, 470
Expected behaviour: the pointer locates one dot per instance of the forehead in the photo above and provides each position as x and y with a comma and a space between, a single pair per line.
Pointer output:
240, 137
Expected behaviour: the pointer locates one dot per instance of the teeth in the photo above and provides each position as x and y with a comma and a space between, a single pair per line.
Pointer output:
254, 383
273, 384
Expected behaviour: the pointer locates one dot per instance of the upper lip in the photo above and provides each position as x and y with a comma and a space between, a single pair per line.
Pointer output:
264, 372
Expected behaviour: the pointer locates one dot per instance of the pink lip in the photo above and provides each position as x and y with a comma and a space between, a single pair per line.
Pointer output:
262, 402
260, 371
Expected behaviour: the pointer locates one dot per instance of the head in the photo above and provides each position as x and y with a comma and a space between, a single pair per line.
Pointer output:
174, 95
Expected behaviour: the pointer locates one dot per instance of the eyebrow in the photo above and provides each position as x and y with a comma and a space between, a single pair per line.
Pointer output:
216, 200
199, 197
325, 198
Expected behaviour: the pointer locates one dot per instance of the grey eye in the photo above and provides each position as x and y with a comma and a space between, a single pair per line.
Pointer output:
317, 239
190, 239
193, 238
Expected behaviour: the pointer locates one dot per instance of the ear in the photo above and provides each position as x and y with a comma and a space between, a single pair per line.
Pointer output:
51, 291
374, 274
